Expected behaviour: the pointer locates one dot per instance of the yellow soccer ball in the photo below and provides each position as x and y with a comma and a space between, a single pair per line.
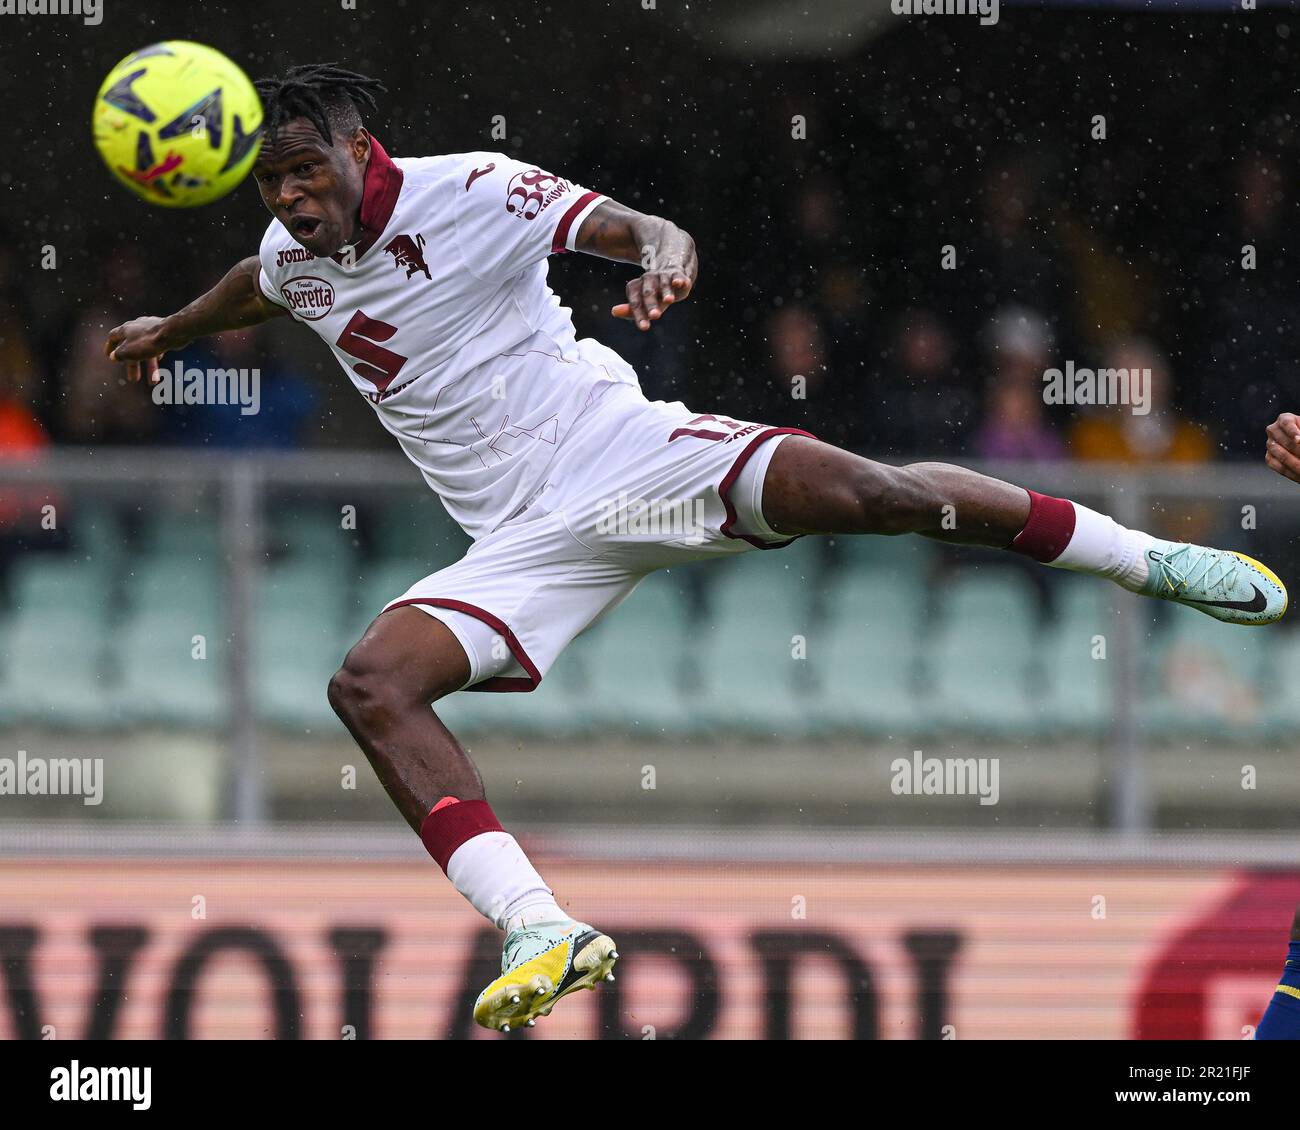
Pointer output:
178, 123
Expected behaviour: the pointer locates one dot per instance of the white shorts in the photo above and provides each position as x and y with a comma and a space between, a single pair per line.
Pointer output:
636, 486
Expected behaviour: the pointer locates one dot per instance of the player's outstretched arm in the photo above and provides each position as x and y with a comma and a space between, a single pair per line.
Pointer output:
1282, 451
660, 247
232, 304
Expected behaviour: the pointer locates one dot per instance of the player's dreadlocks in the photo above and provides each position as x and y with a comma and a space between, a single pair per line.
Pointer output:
326, 95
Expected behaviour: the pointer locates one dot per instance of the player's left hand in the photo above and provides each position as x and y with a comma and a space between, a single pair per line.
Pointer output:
1282, 451
649, 296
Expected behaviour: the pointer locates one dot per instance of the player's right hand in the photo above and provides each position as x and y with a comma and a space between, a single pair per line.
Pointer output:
1282, 451
140, 345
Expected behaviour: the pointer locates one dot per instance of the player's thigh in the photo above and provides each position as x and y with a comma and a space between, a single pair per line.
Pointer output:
407, 654
813, 487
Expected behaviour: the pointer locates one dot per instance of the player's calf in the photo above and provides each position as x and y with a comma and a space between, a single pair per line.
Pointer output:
383, 693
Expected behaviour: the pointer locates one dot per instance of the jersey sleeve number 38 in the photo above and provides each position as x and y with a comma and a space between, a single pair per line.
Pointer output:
360, 338
707, 433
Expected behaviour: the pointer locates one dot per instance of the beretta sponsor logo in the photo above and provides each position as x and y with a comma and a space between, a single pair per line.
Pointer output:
308, 297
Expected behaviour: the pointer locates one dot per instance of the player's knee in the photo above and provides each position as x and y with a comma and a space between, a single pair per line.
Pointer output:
367, 695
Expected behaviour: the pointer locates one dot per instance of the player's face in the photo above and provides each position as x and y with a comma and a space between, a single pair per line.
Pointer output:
314, 189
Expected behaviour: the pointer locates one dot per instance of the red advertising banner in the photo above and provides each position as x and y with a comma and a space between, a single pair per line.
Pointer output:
317, 949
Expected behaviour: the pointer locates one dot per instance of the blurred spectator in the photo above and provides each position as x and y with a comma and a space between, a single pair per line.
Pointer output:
22, 435
920, 404
1015, 424
1120, 435
1250, 369
98, 405
285, 402
1015, 257
1116, 434
799, 390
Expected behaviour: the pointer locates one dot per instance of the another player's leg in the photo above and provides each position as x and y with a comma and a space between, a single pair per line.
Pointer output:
1281, 1019
406, 661
814, 488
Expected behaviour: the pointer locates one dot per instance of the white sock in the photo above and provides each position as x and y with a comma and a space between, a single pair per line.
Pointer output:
1103, 547
493, 873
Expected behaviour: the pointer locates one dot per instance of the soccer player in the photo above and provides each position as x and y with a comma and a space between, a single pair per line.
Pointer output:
427, 278
1281, 1020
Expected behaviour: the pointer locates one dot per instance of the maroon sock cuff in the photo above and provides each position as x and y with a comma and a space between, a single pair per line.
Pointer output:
1048, 530
446, 828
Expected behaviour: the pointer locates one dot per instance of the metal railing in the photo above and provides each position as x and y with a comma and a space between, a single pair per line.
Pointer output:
241, 481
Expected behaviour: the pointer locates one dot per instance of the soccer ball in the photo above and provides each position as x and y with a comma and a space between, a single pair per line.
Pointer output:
178, 123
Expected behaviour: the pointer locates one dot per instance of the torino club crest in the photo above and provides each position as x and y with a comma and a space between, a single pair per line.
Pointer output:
408, 253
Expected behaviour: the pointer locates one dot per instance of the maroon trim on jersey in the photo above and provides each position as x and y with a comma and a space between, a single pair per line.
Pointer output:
729, 480
559, 245
378, 197
497, 682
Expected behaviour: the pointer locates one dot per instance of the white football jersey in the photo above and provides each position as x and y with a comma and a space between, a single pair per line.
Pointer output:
442, 318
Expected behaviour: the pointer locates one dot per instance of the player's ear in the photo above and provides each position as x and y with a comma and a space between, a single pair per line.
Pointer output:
360, 146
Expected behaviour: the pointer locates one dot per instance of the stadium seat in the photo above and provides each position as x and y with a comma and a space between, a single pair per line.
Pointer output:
296, 652
419, 529
162, 681
53, 669
313, 589
98, 532
67, 582
1206, 678
1077, 687
899, 554
179, 583
982, 654
865, 653
631, 663
182, 533
308, 532
752, 646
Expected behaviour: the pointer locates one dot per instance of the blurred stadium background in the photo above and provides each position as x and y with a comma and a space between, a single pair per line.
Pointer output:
204, 573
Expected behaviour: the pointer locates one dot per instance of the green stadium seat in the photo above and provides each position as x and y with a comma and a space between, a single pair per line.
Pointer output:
982, 654
1205, 678
176, 583
162, 682
868, 551
52, 583
1078, 690
309, 531
98, 532
313, 589
755, 676
54, 670
419, 529
865, 653
181, 533
296, 652
374, 584
630, 666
